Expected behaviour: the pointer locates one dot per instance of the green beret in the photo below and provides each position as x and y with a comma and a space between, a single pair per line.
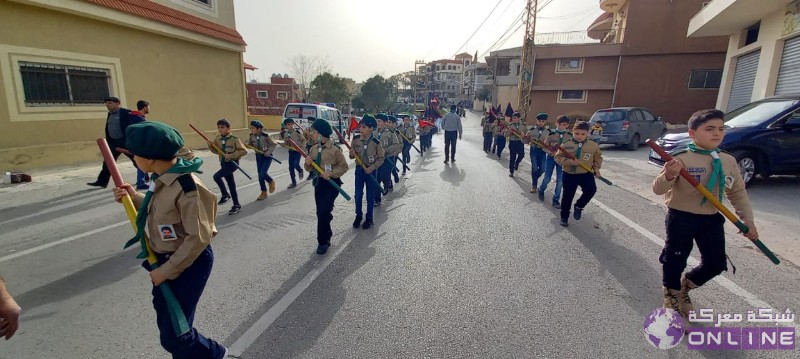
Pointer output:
287, 121
323, 127
541, 116
392, 118
368, 121
382, 117
153, 140
256, 124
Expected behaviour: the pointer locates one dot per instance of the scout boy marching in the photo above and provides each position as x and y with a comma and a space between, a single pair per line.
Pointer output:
369, 149
232, 150
513, 131
538, 154
554, 137
588, 153
328, 157
691, 218
176, 218
296, 135
264, 146
407, 130
487, 123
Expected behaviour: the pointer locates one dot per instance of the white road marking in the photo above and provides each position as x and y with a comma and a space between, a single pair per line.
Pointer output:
726, 283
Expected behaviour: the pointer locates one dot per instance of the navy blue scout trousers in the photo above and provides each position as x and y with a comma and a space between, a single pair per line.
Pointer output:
187, 289
487, 141
324, 196
571, 183
538, 157
226, 171
294, 165
517, 149
361, 181
500, 141
406, 153
262, 165
682, 229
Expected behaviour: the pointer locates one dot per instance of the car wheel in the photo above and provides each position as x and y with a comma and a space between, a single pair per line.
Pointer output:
634, 144
748, 165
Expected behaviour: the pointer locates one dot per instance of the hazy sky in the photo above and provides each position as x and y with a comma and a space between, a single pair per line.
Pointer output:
362, 38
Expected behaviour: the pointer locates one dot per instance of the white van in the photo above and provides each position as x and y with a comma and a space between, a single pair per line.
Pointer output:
300, 112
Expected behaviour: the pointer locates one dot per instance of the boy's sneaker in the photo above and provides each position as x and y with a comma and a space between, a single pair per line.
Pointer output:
578, 212
541, 196
564, 222
367, 224
556, 204
357, 222
235, 209
293, 185
300, 173
224, 199
533, 189
322, 249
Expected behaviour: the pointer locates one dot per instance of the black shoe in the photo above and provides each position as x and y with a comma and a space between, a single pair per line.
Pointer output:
446, 161
564, 222
224, 199
541, 196
367, 224
578, 212
391, 189
235, 209
357, 222
453, 160
300, 173
293, 185
322, 248
556, 204
396, 178
97, 184
511, 174
385, 191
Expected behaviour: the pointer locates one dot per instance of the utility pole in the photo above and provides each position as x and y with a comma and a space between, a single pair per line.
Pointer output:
417, 64
528, 59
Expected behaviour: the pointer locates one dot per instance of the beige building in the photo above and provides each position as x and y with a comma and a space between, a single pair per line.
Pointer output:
60, 58
763, 57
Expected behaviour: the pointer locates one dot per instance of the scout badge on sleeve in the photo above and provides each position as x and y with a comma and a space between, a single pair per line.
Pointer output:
177, 317
716, 202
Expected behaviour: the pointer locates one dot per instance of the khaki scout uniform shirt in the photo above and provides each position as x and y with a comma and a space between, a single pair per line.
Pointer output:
487, 126
230, 145
332, 159
370, 151
496, 129
423, 131
553, 138
190, 216
296, 135
519, 127
535, 133
390, 142
408, 131
680, 195
263, 143
591, 156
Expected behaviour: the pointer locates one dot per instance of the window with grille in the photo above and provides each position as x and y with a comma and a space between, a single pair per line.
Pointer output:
705, 79
283, 95
569, 65
261, 94
58, 85
571, 96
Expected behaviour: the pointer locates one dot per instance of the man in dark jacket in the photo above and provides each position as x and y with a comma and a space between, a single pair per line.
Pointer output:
117, 122
142, 110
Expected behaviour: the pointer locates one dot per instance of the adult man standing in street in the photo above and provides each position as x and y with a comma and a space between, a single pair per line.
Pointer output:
117, 122
142, 110
451, 124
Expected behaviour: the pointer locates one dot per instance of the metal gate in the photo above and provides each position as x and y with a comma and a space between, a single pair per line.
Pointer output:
789, 73
743, 79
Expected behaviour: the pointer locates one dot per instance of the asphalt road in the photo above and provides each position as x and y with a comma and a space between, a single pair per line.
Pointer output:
463, 262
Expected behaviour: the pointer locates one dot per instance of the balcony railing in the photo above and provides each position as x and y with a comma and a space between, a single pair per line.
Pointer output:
610, 36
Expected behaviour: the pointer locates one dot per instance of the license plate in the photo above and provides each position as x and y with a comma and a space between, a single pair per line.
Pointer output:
604, 138
655, 155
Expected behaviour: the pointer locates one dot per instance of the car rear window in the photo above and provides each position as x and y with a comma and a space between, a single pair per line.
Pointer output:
756, 113
608, 116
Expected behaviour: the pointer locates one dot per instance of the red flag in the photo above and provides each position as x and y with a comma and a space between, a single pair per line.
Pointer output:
424, 123
353, 124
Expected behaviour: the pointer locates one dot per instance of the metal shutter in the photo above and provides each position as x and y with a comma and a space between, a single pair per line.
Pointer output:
789, 73
743, 79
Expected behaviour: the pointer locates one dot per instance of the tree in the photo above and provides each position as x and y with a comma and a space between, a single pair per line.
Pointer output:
484, 93
306, 68
376, 93
329, 88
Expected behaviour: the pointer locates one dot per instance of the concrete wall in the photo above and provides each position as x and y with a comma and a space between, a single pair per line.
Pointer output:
547, 101
271, 122
597, 72
184, 82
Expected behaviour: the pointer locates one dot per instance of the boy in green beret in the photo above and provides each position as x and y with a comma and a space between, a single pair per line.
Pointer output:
330, 159
178, 201
261, 141
232, 150
294, 133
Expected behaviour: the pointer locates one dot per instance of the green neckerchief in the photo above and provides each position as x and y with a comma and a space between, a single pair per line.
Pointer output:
223, 140
560, 135
181, 166
365, 152
578, 154
717, 177
318, 161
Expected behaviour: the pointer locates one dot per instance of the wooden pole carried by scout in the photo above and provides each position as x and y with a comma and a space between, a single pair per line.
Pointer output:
715, 201
407, 140
582, 165
316, 167
218, 150
262, 153
358, 159
179, 323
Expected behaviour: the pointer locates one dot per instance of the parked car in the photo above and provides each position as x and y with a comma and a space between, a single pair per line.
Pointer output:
763, 136
628, 126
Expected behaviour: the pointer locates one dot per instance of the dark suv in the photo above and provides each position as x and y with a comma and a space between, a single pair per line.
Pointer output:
628, 126
764, 136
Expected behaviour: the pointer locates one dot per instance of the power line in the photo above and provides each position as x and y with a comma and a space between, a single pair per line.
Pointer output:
479, 27
501, 41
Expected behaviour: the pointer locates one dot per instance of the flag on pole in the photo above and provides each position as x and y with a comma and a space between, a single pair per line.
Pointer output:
353, 124
509, 110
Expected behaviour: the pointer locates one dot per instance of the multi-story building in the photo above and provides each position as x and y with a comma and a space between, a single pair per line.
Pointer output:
271, 98
476, 79
763, 52
636, 54
60, 59
445, 78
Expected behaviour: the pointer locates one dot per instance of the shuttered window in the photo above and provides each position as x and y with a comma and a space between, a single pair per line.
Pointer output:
789, 72
744, 77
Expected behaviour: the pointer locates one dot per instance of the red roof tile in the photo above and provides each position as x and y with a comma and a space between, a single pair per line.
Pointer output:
249, 67
157, 12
